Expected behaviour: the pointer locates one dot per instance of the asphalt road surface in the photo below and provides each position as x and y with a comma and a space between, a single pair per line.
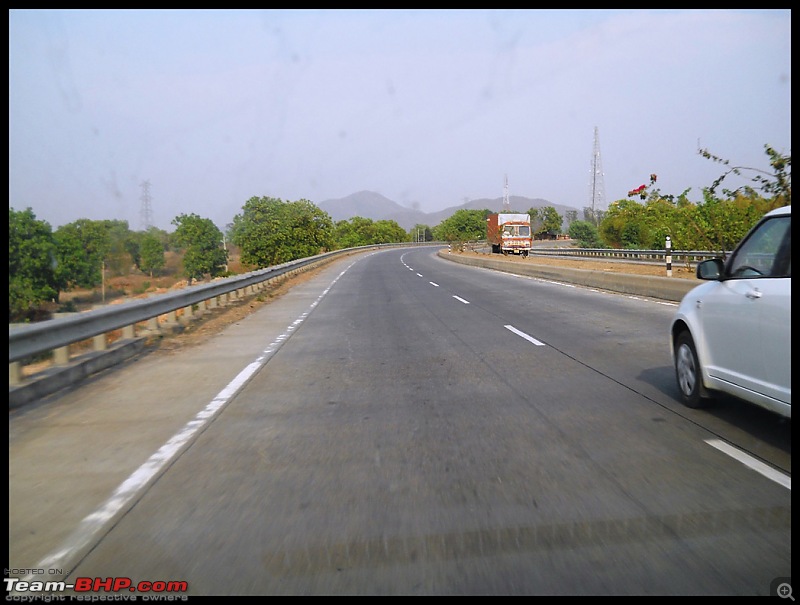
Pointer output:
404, 425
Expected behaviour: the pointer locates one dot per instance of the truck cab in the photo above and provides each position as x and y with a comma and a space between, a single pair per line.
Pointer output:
509, 233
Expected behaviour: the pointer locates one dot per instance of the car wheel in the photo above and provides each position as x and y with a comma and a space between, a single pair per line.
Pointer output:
687, 372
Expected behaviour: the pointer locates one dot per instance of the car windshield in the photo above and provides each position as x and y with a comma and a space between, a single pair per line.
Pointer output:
766, 253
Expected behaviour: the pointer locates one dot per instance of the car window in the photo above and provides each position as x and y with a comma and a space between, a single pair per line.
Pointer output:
766, 252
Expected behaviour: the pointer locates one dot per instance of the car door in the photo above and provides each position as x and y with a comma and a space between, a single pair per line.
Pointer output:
747, 316
776, 320
730, 315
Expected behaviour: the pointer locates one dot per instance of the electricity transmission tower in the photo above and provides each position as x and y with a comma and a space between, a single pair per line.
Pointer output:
597, 188
146, 212
506, 203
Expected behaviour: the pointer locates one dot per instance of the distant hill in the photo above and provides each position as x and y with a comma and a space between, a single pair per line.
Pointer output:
369, 204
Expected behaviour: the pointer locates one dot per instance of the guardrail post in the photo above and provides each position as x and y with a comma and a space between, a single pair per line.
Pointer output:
152, 326
188, 314
61, 356
668, 256
171, 320
14, 373
100, 343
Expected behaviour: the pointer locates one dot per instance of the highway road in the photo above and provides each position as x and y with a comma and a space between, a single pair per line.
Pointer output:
404, 425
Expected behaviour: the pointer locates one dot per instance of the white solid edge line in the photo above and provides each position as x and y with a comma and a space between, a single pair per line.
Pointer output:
750, 462
527, 337
127, 491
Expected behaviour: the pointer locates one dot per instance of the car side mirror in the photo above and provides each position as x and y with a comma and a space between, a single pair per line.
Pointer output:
710, 269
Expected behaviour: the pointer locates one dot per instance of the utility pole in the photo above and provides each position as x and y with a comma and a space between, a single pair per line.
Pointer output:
225, 247
506, 202
596, 186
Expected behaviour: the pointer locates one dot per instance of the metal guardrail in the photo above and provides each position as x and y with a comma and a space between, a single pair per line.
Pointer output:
677, 256
631, 255
26, 341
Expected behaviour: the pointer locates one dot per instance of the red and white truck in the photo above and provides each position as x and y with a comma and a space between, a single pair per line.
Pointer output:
509, 233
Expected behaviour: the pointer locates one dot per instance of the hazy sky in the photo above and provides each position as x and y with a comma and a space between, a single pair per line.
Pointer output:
429, 108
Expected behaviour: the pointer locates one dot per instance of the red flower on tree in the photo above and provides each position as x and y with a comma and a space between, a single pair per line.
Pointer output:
638, 191
641, 189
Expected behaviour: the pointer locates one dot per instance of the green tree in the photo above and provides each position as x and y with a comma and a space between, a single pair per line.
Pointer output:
585, 233
31, 264
615, 228
271, 231
360, 231
421, 233
152, 254
777, 184
723, 223
545, 221
462, 226
201, 241
133, 246
346, 235
593, 215
714, 224
118, 259
83, 247
389, 232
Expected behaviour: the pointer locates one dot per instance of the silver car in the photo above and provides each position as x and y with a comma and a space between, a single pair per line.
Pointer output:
732, 333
